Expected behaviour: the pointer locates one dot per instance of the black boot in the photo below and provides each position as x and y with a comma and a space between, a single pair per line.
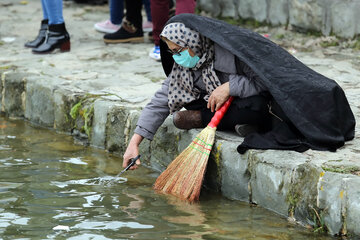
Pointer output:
56, 37
40, 37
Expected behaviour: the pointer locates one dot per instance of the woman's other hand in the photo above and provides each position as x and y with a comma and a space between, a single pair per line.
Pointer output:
218, 97
132, 151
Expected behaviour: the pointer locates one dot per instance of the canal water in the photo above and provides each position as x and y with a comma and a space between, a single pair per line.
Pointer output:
53, 189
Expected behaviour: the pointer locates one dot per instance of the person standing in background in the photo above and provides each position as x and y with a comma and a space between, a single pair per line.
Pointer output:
116, 15
131, 27
52, 34
160, 15
113, 24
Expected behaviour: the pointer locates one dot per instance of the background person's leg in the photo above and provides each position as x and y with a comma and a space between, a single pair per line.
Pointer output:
112, 25
116, 11
131, 27
160, 15
54, 10
133, 12
44, 9
147, 25
147, 10
56, 37
185, 6
40, 38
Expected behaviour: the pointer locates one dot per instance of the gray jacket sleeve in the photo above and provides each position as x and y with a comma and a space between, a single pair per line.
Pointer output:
240, 84
154, 113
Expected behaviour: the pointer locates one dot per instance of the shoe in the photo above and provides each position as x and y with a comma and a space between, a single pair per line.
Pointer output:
56, 37
127, 33
107, 27
147, 26
155, 53
40, 37
188, 119
244, 129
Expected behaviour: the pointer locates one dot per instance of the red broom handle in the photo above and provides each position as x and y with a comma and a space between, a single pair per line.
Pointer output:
219, 114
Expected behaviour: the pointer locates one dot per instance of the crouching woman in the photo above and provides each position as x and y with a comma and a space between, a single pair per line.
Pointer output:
283, 103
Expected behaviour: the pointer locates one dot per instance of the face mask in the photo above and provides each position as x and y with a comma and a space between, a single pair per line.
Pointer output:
185, 60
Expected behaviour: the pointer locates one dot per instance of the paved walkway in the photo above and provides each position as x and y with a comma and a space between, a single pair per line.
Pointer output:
289, 183
91, 65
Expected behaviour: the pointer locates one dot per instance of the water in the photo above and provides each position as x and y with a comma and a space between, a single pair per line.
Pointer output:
53, 189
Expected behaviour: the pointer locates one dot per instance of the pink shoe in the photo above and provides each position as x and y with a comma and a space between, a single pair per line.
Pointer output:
106, 27
147, 26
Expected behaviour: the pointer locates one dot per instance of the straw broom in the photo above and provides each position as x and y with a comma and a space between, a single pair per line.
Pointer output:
184, 175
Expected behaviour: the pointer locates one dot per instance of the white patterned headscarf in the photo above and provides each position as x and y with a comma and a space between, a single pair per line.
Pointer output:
181, 86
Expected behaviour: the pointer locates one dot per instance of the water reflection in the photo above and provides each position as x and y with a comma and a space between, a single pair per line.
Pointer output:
53, 189
113, 225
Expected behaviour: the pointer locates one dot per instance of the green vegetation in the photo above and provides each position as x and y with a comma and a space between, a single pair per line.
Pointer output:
356, 45
313, 33
292, 198
251, 23
7, 67
88, 115
331, 43
341, 169
74, 112
280, 36
83, 112
319, 223
301, 196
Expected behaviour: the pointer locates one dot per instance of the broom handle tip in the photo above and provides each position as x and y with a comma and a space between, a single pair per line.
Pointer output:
219, 114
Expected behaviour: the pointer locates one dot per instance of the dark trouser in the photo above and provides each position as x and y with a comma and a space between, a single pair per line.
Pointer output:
160, 14
133, 12
252, 110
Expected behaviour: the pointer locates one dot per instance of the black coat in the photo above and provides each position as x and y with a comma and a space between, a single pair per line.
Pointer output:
317, 109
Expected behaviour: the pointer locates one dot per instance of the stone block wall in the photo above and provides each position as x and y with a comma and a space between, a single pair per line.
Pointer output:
339, 17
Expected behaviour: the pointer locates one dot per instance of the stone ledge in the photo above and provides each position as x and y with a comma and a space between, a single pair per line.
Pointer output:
325, 16
302, 186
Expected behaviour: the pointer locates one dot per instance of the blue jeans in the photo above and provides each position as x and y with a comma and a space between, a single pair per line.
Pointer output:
116, 11
147, 9
53, 11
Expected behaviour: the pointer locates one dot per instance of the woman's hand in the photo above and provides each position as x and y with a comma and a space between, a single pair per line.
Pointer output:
218, 97
132, 151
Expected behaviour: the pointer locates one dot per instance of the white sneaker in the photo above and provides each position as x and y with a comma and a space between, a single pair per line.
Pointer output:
106, 27
147, 26
155, 53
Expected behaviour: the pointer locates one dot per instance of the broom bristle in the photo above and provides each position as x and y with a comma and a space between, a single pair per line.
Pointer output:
184, 175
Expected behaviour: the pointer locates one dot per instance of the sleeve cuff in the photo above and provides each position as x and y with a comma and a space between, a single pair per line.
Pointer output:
145, 133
